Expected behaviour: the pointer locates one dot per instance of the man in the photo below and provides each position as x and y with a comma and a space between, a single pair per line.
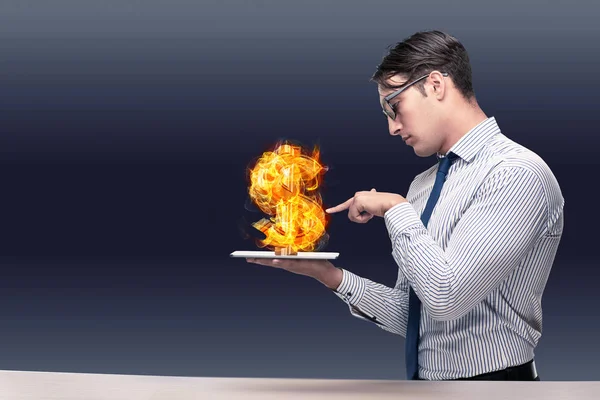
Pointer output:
474, 238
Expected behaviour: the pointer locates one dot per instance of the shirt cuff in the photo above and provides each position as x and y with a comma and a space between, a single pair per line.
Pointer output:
399, 218
351, 289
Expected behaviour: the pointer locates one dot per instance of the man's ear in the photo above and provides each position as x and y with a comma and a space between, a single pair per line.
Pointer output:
437, 84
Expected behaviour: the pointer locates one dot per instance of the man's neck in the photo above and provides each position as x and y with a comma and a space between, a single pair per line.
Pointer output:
465, 119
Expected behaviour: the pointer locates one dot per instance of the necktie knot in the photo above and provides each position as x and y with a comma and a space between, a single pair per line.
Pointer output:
446, 162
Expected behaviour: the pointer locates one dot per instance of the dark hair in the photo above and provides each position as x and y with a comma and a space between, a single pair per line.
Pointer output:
424, 52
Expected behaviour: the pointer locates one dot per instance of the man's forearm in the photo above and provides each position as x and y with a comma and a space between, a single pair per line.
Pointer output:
385, 306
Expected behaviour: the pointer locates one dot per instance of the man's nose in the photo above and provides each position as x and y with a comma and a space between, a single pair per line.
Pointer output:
395, 127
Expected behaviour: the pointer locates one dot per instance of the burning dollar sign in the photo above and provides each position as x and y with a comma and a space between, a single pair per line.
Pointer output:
284, 184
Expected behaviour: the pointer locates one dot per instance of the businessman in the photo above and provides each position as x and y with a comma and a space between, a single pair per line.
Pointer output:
475, 236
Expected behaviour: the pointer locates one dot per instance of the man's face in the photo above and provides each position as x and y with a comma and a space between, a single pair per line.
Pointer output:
417, 116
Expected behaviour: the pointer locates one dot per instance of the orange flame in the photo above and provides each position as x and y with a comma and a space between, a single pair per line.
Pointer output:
284, 184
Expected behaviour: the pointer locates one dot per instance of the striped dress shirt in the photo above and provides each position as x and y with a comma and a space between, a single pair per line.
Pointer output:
481, 265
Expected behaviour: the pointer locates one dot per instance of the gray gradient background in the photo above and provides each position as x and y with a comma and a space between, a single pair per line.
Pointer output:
126, 130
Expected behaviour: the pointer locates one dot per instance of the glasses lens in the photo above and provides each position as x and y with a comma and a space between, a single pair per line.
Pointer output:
387, 110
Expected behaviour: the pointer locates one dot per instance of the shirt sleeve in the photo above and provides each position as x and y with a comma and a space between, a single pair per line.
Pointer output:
507, 215
385, 306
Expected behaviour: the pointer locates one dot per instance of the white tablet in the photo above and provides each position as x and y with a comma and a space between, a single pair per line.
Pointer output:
302, 255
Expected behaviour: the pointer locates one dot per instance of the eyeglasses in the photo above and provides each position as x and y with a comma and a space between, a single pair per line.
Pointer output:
388, 110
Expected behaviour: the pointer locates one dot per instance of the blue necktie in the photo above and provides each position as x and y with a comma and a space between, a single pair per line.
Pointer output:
414, 304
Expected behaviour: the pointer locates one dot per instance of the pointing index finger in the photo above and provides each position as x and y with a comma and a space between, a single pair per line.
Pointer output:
340, 207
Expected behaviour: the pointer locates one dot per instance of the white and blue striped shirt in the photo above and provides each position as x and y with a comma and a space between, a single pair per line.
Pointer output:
481, 265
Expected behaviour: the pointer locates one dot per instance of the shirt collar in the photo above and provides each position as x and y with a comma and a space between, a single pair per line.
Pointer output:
473, 141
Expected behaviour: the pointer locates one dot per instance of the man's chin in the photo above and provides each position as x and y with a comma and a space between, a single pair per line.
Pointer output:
422, 152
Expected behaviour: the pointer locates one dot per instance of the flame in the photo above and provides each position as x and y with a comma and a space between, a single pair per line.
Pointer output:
284, 184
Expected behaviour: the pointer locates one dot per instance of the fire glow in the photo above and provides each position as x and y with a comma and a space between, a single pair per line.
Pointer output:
284, 184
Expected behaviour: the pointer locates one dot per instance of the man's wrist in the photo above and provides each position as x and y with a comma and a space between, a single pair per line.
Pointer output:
331, 277
394, 202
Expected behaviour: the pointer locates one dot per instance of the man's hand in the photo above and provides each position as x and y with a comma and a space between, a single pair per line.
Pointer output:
322, 270
365, 205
